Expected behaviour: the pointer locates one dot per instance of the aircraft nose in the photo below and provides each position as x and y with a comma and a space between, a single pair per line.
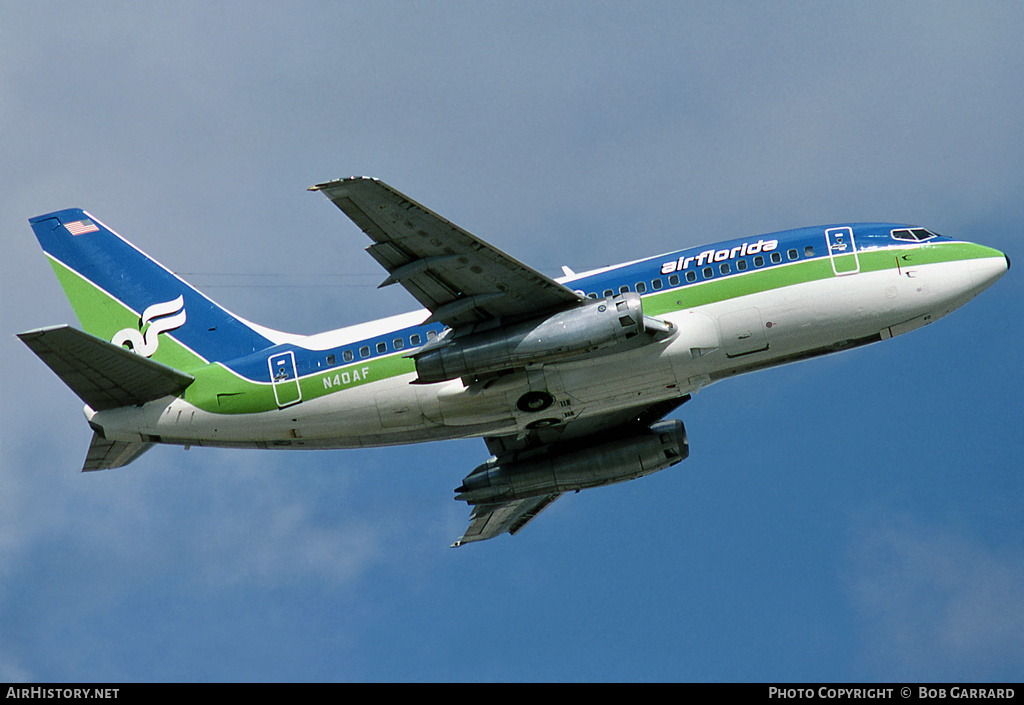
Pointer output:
986, 270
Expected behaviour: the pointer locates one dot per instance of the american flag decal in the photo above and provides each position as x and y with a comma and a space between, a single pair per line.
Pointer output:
80, 227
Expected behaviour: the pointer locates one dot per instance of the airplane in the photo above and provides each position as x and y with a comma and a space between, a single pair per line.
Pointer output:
569, 381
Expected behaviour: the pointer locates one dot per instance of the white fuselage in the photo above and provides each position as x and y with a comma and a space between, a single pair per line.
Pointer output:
710, 342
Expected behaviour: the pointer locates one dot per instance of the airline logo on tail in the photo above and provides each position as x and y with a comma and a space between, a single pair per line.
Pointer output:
160, 318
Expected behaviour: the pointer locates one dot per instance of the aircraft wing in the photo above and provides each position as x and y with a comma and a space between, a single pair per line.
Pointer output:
490, 520
461, 279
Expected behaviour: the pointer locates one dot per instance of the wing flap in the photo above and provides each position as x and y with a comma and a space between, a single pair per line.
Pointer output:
490, 520
441, 264
103, 375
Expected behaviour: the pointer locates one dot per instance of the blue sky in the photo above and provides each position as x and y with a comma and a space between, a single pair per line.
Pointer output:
857, 517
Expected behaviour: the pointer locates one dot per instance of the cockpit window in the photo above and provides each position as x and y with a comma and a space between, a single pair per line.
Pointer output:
912, 234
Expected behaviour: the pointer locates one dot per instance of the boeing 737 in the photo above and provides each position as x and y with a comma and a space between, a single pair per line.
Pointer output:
569, 381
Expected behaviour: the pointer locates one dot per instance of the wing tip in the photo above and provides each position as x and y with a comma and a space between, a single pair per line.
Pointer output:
335, 183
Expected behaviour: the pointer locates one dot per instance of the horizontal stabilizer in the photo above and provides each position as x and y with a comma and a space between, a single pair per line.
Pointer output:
104, 454
103, 375
490, 520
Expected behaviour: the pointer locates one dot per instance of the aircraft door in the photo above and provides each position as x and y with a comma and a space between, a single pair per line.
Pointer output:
285, 379
842, 251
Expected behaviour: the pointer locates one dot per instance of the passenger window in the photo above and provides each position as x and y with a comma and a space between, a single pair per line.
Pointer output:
641, 287
348, 356
708, 272
623, 289
592, 295
608, 292
398, 343
759, 261
673, 280
431, 335
776, 258
741, 265
691, 276
364, 351
809, 251
724, 268
382, 347
414, 339
656, 284
792, 254
331, 360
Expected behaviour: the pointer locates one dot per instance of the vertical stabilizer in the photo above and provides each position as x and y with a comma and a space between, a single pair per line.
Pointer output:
122, 295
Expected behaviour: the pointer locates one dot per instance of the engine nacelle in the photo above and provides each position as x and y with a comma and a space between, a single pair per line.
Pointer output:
657, 447
596, 324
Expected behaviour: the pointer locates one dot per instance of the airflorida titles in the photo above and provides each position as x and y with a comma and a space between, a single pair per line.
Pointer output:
709, 256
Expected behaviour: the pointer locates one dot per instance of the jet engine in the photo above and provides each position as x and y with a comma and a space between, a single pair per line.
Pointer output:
578, 466
599, 323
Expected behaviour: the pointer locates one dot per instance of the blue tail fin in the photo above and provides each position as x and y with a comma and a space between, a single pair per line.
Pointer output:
122, 295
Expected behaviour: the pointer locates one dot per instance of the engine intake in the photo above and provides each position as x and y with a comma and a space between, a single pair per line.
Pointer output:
594, 325
578, 467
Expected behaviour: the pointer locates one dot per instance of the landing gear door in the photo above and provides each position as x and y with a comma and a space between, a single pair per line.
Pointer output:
842, 250
284, 379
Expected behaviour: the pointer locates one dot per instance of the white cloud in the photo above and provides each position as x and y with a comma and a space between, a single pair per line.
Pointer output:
11, 670
214, 518
937, 605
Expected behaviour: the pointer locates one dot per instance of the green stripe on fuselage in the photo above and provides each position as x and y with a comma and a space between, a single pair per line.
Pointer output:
736, 285
754, 281
219, 390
